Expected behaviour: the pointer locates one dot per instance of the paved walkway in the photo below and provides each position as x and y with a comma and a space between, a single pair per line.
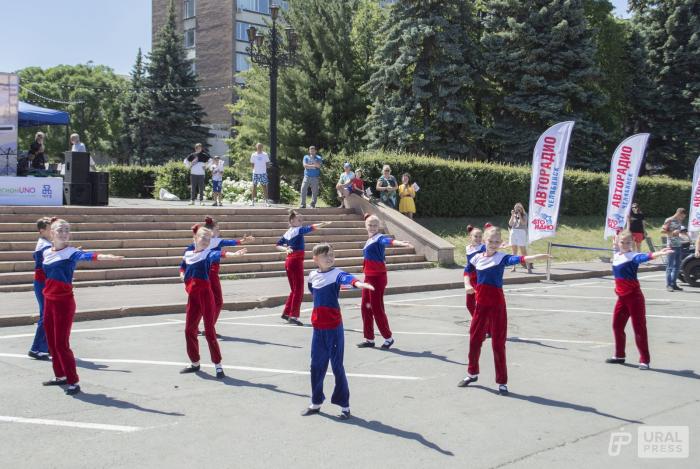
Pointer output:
133, 300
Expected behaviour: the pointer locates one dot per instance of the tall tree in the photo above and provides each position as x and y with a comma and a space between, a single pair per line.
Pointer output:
540, 59
424, 86
173, 124
319, 100
91, 92
135, 112
671, 32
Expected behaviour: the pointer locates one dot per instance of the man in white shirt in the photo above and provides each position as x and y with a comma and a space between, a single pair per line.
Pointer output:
260, 162
78, 146
196, 162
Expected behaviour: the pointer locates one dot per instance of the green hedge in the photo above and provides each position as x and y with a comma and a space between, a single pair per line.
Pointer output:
458, 188
131, 181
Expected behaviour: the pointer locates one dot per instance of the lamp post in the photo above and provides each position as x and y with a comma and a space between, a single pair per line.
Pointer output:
266, 50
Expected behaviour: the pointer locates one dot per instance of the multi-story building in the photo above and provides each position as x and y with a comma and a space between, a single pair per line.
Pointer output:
214, 33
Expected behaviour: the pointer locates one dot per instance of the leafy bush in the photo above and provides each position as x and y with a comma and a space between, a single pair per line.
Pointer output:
458, 188
131, 181
241, 192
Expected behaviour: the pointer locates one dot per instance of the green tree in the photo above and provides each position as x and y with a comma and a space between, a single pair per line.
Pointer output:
367, 36
92, 93
541, 62
173, 123
135, 112
671, 32
426, 81
319, 99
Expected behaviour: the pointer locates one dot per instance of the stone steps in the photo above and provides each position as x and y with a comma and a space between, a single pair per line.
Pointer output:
8, 228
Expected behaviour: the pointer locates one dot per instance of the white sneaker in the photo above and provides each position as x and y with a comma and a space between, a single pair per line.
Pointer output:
643, 366
267, 204
251, 203
201, 203
191, 202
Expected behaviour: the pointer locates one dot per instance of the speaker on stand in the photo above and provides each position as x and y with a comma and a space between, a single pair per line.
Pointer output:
77, 167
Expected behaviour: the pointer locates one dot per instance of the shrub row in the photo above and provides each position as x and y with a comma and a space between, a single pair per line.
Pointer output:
458, 188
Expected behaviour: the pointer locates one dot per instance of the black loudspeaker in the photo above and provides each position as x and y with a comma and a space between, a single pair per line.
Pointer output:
77, 193
100, 188
77, 167
99, 178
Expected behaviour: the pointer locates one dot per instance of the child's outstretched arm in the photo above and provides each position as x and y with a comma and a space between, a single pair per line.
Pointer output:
240, 252
363, 285
401, 244
536, 257
105, 257
321, 225
661, 252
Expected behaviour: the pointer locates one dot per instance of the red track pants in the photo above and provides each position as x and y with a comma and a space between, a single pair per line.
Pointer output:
495, 318
58, 320
200, 304
373, 307
217, 292
633, 306
294, 265
471, 303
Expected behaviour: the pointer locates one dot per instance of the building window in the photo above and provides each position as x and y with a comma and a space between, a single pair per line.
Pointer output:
193, 67
259, 6
189, 9
242, 30
189, 38
242, 62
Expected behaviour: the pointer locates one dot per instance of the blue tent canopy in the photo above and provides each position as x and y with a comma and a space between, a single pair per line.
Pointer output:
32, 116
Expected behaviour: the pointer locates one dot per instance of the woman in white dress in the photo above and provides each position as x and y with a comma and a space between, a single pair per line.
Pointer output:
518, 233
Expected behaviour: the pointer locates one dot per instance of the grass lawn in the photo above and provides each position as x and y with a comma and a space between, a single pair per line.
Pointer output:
579, 231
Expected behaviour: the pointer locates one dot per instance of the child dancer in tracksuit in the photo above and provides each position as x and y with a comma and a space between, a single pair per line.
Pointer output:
490, 308
292, 242
40, 348
217, 244
59, 263
374, 267
630, 300
328, 341
475, 247
194, 271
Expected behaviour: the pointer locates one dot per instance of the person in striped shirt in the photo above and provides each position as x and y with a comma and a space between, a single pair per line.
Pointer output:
195, 273
40, 348
328, 340
59, 263
292, 243
630, 299
374, 268
490, 312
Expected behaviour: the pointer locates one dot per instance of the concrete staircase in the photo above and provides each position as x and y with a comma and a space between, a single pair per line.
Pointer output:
153, 239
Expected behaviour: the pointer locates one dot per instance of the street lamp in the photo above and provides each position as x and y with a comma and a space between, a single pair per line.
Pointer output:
266, 50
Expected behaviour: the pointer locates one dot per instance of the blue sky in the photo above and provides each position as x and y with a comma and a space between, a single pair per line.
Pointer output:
45, 33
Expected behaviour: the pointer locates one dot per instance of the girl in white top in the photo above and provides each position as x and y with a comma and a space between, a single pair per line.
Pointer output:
518, 233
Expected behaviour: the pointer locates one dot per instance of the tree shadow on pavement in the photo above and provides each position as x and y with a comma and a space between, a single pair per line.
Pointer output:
229, 381
555, 403
243, 340
107, 401
380, 427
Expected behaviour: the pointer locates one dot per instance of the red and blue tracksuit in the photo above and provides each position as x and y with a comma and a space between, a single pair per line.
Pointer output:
196, 266
374, 268
59, 306
294, 265
490, 312
328, 341
40, 344
470, 271
217, 244
630, 303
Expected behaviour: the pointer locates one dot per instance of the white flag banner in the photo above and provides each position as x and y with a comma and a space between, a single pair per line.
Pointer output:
694, 218
548, 165
624, 170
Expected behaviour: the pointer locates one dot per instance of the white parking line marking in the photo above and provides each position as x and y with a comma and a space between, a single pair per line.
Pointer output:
228, 367
545, 310
535, 295
66, 423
